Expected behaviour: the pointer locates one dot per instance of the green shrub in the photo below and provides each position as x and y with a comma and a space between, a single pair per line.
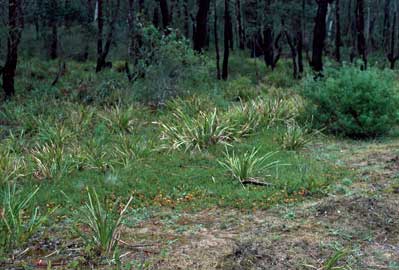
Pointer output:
353, 103
167, 68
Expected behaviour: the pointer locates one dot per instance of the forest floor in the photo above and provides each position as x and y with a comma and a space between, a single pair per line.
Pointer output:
358, 224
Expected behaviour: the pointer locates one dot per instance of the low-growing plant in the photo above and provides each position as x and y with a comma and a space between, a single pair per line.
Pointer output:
249, 165
51, 161
128, 148
199, 132
19, 221
245, 118
104, 223
119, 119
274, 109
12, 166
56, 134
294, 137
353, 103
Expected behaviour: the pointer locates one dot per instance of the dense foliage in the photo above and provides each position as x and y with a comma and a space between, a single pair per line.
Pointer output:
354, 103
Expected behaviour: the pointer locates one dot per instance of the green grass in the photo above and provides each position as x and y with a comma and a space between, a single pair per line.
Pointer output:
89, 132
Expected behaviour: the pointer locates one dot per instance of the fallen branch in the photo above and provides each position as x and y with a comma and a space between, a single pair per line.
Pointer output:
253, 181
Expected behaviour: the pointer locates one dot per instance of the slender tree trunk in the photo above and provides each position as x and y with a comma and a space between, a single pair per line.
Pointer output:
15, 27
165, 13
201, 31
225, 72
241, 36
54, 41
386, 23
215, 29
391, 55
299, 48
100, 30
338, 39
186, 19
319, 35
268, 49
361, 39
53, 52
293, 54
102, 52
130, 22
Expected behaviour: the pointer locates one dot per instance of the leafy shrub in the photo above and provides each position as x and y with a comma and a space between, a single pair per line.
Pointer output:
168, 63
353, 103
248, 165
241, 88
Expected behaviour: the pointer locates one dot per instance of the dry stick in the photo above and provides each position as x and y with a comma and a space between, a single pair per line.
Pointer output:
253, 181
60, 73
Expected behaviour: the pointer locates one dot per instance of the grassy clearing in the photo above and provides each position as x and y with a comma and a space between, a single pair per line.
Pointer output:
90, 132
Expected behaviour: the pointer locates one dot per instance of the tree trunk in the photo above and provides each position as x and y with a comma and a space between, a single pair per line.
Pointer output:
319, 35
100, 30
241, 36
215, 29
361, 39
54, 41
391, 55
268, 49
15, 27
386, 23
299, 48
130, 22
186, 19
293, 54
53, 53
102, 52
165, 13
225, 72
338, 39
201, 31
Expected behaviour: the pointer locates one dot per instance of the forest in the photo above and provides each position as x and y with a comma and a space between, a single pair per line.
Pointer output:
199, 134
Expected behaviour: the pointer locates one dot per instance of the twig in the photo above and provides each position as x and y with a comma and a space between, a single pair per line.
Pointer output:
52, 253
60, 73
252, 181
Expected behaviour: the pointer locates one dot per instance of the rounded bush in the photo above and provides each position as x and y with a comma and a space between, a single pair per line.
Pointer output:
353, 103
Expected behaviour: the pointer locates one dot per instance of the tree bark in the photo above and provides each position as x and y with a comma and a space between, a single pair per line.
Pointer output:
15, 27
53, 52
165, 13
241, 36
338, 38
319, 35
201, 30
391, 55
215, 29
293, 54
102, 52
386, 23
130, 22
225, 72
361, 39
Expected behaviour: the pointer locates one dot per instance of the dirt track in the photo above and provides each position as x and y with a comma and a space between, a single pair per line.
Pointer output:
360, 220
